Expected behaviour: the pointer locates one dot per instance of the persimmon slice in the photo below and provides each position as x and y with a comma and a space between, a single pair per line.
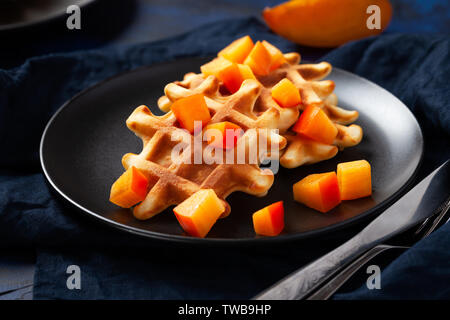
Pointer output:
198, 213
355, 179
318, 191
269, 221
238, 50
315, 124
191, 109
129, 189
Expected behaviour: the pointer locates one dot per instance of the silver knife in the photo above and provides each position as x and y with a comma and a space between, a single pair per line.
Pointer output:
414, 207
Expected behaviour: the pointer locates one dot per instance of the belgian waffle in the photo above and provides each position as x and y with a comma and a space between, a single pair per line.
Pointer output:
171, 181
313, 91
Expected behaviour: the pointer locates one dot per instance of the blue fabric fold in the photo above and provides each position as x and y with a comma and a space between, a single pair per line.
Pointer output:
117, 265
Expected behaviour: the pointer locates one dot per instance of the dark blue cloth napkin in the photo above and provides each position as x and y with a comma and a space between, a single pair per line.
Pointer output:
117, 265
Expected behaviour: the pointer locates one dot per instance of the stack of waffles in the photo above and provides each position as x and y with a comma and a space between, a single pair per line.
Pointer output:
250, 107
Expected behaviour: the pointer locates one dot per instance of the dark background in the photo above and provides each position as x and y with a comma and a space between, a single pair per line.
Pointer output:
119, 22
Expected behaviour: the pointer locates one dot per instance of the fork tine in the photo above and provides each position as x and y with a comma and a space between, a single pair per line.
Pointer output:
428, 224
445, 207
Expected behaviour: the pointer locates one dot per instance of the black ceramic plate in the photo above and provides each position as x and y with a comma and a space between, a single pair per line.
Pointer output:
82, 147
15, 14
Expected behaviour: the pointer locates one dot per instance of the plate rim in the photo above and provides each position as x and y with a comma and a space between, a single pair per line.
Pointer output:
52, 17
242, 241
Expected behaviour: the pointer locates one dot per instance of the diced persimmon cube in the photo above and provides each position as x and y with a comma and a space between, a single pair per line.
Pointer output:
318, 191
246, 72
231, 77
214, 66
286, 94
315, 124
198, 213
238, 50
259, 59
277, 58
191, 109
222, 134
129, 189
355, 180
269, 221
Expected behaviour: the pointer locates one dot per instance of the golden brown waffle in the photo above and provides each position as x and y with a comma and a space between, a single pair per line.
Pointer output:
210, 87
171, 182
313, 90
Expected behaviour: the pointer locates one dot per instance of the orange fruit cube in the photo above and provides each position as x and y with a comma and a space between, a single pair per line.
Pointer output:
315, 124
191, 109
286, 94
318, 191
214, 66
226, 135
246, 72
259, 59
231, 77
269, 221
238, 50
277, 58
129, 189
198, 213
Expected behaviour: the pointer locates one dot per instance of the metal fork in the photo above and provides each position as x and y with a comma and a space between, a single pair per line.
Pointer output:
426, 228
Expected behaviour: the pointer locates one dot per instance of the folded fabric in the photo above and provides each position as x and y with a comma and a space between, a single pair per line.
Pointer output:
422, 272
117, 265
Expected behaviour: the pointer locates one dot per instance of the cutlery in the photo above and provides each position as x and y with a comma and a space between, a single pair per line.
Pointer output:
414, 207
16, 272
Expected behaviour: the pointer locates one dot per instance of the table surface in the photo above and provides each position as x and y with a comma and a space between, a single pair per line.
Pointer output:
126, 22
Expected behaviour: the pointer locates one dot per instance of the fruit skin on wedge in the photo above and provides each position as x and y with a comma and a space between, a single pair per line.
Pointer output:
198, 213
315, 124
129, 189
355, 180
318, 191
326, 23
238, 50
269, 221
286, 94
226, 135
190, 109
